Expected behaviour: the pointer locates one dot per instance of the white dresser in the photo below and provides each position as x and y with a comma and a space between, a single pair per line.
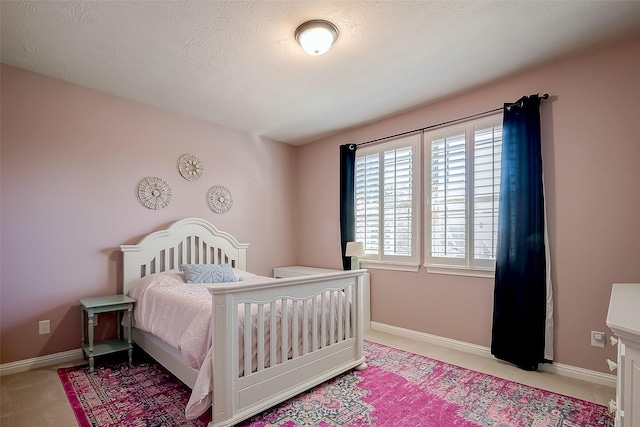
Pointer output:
624, 320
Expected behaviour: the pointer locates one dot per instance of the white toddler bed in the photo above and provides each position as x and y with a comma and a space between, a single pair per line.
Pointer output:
331, 340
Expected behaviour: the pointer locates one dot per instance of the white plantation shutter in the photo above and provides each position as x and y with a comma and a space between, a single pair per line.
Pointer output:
387, 212
398, 183
463, 179
367, 204
487, 153
448, 192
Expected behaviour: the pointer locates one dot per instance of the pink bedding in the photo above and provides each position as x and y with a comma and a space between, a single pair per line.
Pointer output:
177, 312
180, 314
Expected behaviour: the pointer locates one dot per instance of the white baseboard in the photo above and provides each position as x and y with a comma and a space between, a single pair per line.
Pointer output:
41, 361
595, 377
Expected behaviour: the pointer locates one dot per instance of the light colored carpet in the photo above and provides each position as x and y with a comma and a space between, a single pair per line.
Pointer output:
36, 398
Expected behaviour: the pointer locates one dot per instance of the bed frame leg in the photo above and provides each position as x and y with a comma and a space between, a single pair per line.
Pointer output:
361, 367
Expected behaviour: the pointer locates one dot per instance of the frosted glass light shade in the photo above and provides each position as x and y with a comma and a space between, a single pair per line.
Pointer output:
316, 36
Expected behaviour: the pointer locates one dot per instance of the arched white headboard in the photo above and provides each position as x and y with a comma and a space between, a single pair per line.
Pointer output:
187, 241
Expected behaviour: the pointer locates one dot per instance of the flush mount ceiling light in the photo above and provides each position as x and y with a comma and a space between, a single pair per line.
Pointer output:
316, 36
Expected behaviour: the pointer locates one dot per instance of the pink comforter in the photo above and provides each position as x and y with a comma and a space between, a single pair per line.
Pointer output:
180, 314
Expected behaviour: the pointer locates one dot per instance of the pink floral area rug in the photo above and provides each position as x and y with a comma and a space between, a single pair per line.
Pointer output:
398, 389
116, 394
405, 389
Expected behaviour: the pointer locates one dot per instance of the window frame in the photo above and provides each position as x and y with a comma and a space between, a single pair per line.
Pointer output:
397, 262
467, 266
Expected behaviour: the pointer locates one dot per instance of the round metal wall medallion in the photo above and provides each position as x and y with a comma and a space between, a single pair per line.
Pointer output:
219, 199
154, 192
190, 167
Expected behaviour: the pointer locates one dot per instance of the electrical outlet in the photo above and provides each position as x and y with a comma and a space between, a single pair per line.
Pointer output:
597, 339
44, 327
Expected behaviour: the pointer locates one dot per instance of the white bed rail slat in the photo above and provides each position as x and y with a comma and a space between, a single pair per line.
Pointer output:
323, 320
332, 318
294, 329
210, 259
347, 313
176, 256
261, 348
273, 338
355, 300
184, 250
192, 250
314, 329
247, 339
305, 327
340, 319
284, 322
203, 252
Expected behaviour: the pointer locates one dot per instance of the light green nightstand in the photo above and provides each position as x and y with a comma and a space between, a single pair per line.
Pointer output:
106, 304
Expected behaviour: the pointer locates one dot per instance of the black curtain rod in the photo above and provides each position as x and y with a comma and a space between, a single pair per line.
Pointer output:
518, 103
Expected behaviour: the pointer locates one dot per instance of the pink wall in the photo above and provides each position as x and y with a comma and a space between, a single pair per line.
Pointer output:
591, 153
71, 161
71, 158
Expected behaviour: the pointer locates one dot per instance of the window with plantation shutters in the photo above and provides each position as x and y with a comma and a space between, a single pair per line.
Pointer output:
387, 180
463, 185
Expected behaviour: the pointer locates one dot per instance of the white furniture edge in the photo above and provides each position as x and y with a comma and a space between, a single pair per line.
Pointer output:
622, 317
236, 397
624, 321
570, 371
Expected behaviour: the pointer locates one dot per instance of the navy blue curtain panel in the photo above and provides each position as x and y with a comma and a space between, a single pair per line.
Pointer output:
519, 306
347, 199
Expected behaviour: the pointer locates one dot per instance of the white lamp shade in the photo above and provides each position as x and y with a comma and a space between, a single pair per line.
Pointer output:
316, 36
354, 249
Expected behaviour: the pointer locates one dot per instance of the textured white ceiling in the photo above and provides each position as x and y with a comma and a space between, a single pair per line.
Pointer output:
236, 63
